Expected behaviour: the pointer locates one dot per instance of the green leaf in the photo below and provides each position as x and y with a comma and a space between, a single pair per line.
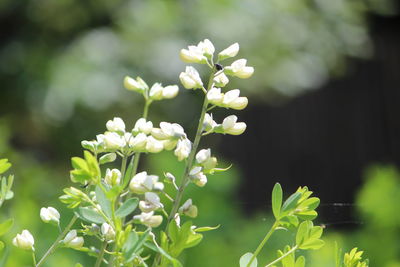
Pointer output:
6, 226
132, 251
89, 215
291, 202
79, 163
127, 208
107, 158
277, 200
155, 248
300, 262
1, 246
103, 201
206, 229
245, 259
4, 165
92, 164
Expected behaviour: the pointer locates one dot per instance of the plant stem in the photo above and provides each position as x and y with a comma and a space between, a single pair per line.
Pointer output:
261, 245
189, 162
282, 257
55, 244
33, 258
192, 154
101, 255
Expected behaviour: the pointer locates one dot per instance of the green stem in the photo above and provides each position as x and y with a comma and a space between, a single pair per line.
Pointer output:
261, 245
33, 258
189, 162
192, 154
101, 255
282, 257
55, 244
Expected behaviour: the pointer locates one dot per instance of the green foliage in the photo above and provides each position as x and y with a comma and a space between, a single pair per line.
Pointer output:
308, 236
86, 170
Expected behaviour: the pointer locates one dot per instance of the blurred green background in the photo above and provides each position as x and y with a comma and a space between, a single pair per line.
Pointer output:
61, 69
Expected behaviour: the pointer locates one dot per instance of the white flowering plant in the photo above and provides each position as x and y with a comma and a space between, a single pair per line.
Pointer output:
123, 209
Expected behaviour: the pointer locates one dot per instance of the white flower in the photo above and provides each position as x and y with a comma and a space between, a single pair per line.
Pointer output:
172, 130
113, 177
203, 155
221, 80
151, 202
183, 149
156, 91
190, 79
50, 214
142, 183
138, 142
231, 51
149, 219
192, 55
170, 177
231, 126
232, 100
215, 96
198, 177
72, 240
199, 53
24, 240
170, 91
208, 123
188, 209
239, 69
143, 126
137, 85
112, 140
116, 125
206, 47
107, 231
153, 145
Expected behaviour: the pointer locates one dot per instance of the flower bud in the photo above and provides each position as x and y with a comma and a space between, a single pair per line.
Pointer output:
188, 209
143, 126
153, 145
239, 69
170, 144
137, 85
232, 100
151, 202
72, 240
170, 91
113, 177
203, 155
170, 177
208, 123
231, 51
198, 177
215, 96
192, 55
24, 240
172, 130
230, 126
183, 149
138, 142
112, 140
149, 219
221, 80
206, 47
190, 79
50, 215
142, 183
107, 231
156, 91
116, 125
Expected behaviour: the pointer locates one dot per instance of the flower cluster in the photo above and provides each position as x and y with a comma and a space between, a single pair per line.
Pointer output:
123, 205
